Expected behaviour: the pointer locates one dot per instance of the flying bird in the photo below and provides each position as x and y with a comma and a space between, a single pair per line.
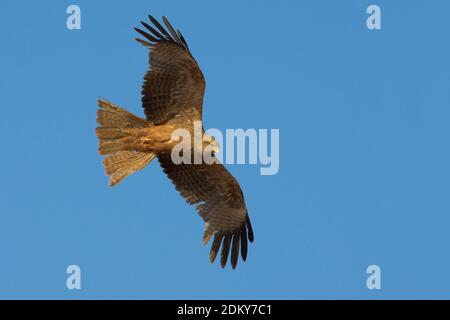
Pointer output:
172, 98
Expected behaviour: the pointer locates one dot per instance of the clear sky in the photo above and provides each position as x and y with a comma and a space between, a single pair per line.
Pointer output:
364, 119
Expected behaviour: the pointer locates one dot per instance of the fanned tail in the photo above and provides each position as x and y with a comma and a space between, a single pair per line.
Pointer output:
124, 163
113, 134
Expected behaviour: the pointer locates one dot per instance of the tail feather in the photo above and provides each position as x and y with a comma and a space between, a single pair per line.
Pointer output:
110, 146
111, 115
123, 163
114, 140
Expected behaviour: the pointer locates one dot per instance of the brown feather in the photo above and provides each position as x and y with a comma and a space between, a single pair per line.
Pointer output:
160, 27
152, 30
251, 237
144, 43
146, 35
182, 39
244, 244
124, 163
235, 250
225, 250
215, 247
172, 31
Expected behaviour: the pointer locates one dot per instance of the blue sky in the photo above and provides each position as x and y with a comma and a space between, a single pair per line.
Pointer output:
364, 119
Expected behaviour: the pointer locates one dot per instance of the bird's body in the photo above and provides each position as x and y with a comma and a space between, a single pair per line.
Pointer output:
173, 92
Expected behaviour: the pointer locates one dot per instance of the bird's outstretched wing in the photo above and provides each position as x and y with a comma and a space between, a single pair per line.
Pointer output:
219, 201
174, 86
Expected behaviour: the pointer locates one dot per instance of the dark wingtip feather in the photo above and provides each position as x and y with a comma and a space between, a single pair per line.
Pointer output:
251, 236
225, 250
163, 34
215, 247
144, 43
160, 27
244, 244
152, 30
207, 236
172, 31
235, 250
146, 35
182, 39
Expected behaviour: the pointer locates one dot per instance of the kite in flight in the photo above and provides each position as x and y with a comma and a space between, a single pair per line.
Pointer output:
172, 98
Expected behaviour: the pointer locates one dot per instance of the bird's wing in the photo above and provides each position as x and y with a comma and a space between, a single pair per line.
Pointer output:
219, 201
174, 85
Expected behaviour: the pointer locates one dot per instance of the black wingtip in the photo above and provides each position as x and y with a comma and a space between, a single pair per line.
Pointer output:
144, 43
161, 34
182, 39
244, 244
160, 27
225, 250
231, 245
251, 236
146, 35
215, 247
172, 31
235, 250
153, 31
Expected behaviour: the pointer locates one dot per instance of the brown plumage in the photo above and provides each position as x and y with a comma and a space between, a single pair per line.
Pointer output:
172, 98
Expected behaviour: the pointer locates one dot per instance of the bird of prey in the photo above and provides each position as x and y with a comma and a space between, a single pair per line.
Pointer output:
172, 98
